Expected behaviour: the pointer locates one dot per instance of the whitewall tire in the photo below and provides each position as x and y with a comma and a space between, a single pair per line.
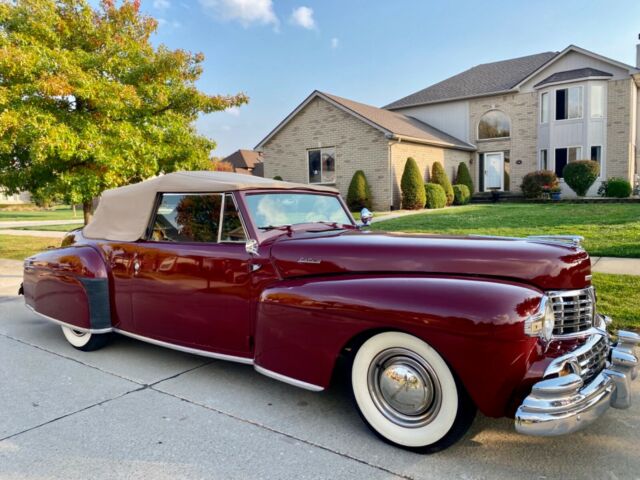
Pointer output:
85, 341
406, 393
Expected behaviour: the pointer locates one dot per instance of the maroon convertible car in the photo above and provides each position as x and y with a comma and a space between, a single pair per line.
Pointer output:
279, 276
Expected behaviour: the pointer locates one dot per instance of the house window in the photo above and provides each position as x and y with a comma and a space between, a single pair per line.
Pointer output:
544, 107
544, 159
564, 156
596, 155
322, 165
568, 103
493, 124
596, 101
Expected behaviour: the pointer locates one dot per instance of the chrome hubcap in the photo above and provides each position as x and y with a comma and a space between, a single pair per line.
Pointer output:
404, 387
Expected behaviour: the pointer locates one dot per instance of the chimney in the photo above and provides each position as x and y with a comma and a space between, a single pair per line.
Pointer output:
638, 53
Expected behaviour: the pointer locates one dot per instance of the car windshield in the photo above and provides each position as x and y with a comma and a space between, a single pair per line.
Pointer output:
269, 210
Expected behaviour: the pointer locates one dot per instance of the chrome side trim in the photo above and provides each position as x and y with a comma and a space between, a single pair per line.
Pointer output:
68, 325
567, 240
180, 348
289, 380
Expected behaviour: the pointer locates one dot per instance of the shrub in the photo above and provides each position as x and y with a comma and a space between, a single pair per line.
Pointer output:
278, 177
618, 188
221, 166
533, 182
439, 176
580, 175
461, 195
413, 194
464, 177
359, 194
436, 198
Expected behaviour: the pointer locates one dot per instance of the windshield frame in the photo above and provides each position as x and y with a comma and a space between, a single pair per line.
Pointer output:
262, 235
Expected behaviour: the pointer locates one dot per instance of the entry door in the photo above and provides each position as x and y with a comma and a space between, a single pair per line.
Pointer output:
494, 170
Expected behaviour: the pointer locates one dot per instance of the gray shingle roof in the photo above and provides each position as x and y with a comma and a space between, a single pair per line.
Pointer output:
480, 80
573, 75
401, 125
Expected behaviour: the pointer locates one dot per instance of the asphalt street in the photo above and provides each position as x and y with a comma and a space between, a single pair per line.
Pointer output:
133, 410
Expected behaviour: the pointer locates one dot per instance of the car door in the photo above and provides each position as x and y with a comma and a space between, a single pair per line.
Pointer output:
190, 281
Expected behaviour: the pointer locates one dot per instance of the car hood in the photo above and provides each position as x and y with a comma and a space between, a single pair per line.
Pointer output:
544, 264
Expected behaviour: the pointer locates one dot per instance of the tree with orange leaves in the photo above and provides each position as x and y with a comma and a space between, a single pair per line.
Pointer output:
87, 103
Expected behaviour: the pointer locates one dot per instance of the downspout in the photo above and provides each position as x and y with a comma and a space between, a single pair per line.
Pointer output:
393, 139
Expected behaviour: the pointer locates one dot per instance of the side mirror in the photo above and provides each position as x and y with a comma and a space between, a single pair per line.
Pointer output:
251, 247
365, 217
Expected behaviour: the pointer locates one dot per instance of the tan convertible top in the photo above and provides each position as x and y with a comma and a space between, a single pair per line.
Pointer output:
123, 213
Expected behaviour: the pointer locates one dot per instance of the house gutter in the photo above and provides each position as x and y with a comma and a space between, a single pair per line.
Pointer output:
404, 138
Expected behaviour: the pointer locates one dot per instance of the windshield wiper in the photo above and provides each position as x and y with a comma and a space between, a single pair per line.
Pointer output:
267, 228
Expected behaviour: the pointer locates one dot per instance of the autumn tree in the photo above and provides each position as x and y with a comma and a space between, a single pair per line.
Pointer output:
87, 103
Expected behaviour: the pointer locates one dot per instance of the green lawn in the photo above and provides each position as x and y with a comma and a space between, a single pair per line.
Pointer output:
619, 297
56, 213
18, 248
610, 230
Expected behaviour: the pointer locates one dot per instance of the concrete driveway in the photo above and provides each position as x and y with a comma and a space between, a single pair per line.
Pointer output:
133, 410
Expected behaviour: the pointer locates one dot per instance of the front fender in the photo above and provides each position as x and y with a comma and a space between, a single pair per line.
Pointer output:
475, 324
69, 285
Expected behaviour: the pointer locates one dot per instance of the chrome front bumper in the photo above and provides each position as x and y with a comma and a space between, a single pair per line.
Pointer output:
564, 404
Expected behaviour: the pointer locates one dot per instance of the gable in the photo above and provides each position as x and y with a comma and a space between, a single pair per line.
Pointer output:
574, 60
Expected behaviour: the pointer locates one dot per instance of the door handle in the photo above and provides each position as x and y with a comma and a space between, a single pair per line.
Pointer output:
136, 267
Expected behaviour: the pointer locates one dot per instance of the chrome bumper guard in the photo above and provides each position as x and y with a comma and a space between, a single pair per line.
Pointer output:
564, 404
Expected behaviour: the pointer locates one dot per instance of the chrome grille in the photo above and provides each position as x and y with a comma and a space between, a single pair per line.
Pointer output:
574, 310
594, 360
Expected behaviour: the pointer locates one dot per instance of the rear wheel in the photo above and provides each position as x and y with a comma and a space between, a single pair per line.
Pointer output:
406, 393
85, 341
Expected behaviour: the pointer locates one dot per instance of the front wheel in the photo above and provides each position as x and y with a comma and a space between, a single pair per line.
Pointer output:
406, 393
85, 341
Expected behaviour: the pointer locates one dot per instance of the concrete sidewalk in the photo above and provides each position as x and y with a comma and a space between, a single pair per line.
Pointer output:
33, 233
37, 223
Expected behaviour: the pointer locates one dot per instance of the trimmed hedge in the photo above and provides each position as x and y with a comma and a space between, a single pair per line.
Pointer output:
439, 176
618, 188
533, 182
413, 194
436, 198
461, 195
580, 175
464, 177
278, 177
359, 194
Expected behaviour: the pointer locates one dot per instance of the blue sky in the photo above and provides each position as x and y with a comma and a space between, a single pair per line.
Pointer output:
279, 51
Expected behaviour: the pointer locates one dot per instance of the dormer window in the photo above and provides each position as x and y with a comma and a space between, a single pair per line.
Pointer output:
568, 103
494, 124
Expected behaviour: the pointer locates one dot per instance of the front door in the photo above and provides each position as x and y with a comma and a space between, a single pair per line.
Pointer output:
494, 171
191, 282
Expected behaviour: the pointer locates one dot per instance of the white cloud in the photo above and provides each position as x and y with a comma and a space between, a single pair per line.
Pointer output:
247, 12
161, 4
164, 23
335, 42
303, 17
235, 111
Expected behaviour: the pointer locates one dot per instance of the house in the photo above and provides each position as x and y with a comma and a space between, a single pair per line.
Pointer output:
326, 139
15, 199
505, 119
248, 162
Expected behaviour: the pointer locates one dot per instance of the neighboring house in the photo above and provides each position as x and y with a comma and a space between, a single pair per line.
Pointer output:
505, 118
248, 162
17, 199
326, 139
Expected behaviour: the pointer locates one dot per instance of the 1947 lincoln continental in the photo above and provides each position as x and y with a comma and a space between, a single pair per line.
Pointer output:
279, 275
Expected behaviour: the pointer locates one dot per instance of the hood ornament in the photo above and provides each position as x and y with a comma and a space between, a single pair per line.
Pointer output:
569, 240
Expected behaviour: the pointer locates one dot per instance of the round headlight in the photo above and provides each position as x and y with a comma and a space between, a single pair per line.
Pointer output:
548, 321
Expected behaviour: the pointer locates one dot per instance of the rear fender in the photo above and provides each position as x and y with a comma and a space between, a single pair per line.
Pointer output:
303, 325
69, 286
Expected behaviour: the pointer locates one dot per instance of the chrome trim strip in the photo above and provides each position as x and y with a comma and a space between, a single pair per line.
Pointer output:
180, 348
68, 325
289, 380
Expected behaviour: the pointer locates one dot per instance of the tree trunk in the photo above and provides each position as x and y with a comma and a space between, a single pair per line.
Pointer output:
87, 209
75, 214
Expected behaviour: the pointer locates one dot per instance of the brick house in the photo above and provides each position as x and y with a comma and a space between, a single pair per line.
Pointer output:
505, 119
